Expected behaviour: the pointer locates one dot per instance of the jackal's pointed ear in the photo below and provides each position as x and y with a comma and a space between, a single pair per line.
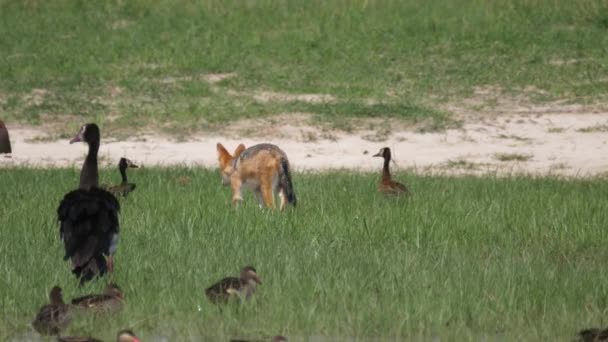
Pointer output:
239, 150
223, 155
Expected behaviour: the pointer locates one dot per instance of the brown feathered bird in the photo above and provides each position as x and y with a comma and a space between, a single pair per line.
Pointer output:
109, 301
124, 188
593, 335
5, 142
53, 317
233, 287
88, 217
387, 185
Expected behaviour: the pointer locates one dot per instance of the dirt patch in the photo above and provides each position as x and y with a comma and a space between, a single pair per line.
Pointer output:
471, 149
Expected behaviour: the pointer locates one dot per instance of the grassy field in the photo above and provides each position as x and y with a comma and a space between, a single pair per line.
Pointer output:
465, 259
143, 63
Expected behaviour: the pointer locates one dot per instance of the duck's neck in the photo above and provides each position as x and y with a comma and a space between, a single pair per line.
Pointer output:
123, 173
89, 176
386, 174
57, 300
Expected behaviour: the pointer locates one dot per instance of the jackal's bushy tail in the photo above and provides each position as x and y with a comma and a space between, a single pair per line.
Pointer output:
285, 182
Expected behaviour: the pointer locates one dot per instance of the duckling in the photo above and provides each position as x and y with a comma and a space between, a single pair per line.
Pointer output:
53, 317
108, 302
593, 335
232, 287
124, 187
387, 185
125, 335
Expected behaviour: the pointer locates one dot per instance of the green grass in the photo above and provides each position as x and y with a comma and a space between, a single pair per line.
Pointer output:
465, 258
139, 63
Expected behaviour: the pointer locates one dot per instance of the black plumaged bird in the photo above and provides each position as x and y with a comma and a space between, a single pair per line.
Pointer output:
89, 217
109, 301
593, 335
53, 317
5, 142
233, 287
387, 185
124, 187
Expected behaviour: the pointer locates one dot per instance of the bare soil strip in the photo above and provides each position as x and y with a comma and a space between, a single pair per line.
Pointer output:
571, 144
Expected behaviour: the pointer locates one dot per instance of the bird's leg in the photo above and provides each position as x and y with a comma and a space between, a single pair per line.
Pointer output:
110, 264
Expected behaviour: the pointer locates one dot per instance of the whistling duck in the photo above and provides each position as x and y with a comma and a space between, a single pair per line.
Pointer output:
123, 336
232, 287
387, 185
124, 187
109, 301
89, 217
53, 317
593, 335
5, 143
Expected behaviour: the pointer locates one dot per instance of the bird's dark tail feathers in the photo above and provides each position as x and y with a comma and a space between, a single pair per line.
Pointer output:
285, 182
97, 266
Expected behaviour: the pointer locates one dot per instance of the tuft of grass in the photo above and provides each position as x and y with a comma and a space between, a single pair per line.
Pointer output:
464, 258
506, 157
461, 164
594, 129
156, 64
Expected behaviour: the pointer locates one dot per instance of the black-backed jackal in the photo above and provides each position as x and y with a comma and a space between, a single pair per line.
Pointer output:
262, 168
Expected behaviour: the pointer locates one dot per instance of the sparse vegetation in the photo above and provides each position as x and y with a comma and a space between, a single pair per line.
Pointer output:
507, 157
594, 129
185, 65
462, 164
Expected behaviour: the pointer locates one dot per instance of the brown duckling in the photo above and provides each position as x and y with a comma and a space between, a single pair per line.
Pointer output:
387, 185
124, 187
232, 287
5, 142
109, 301
53, 317
593, 335
125, 335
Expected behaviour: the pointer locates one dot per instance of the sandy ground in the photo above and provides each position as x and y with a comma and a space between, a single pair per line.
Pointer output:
571, 144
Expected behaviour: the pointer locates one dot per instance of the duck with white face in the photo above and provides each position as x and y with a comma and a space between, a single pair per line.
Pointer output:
124, 188
387, 185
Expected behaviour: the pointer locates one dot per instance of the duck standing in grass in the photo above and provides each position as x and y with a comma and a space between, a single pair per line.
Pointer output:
5, 142
124, 187
125, 335
233, 287
110, 301
593, 335
53, 317
387, 185
88, 217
